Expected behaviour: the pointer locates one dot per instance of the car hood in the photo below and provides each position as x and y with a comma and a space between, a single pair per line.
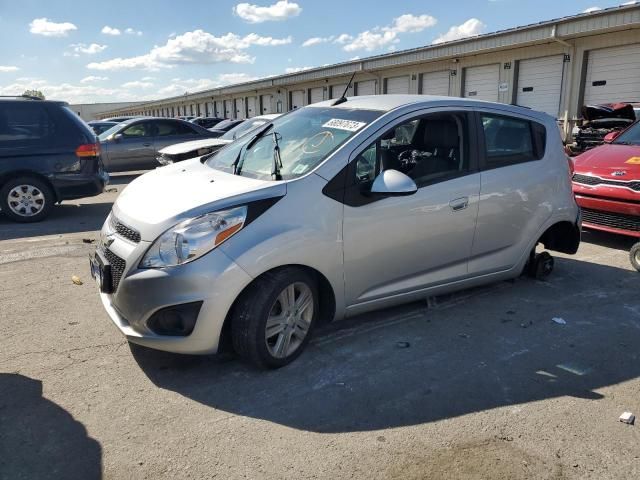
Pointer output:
609, 111
602, 161
163, 197
186, 147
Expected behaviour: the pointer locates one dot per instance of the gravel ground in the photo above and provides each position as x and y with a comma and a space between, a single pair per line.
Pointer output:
482, 384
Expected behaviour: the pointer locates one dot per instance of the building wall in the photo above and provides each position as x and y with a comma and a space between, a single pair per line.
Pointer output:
94, 111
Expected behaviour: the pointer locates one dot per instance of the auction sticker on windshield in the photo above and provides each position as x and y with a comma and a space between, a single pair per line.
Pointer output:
348, 125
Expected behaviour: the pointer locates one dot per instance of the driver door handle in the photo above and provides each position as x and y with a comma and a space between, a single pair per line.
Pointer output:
459, 204
146, 144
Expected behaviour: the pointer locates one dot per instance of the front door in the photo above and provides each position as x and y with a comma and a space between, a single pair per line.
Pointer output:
131, 149
398, 245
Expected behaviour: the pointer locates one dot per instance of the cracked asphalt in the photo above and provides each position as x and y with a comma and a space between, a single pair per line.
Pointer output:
481, 384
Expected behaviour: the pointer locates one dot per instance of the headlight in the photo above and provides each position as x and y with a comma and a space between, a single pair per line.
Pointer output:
194, 237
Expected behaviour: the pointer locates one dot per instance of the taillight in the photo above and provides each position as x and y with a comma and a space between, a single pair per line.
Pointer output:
88, 150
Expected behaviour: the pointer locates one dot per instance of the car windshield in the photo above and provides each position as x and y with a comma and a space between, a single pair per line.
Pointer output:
305, 137
223, 124
630, 136
243, 129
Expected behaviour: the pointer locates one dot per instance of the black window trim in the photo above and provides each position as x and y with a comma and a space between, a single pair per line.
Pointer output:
343, 188
507, 161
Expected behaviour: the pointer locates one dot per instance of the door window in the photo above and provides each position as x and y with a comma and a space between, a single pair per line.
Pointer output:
510, 140
428, 149
141, 129
166, 129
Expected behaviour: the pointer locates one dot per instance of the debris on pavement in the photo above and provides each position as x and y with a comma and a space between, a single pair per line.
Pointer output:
463, 335
559, 321
526, 324
88, 240
76, 280
628, 418
111, 190
403, 344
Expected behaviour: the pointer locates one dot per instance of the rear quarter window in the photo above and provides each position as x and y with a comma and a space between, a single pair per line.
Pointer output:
25, 123
510, 140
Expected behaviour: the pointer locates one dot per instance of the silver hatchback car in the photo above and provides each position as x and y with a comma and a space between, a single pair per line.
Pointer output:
329, 211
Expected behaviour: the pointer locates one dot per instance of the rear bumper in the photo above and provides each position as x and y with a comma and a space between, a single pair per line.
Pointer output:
69, 186
610, 215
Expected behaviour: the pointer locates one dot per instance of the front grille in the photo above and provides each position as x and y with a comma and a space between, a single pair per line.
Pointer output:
589, 180
126, 232
611, 219
117, 267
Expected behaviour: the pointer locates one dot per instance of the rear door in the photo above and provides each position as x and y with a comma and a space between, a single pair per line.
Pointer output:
170, 132
132, 149
517, 189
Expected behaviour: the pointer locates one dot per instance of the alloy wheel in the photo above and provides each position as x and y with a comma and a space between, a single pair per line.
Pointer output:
289, 320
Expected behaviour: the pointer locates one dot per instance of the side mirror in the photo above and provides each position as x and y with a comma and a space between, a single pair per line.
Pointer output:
393, 183
117, 137
611, 136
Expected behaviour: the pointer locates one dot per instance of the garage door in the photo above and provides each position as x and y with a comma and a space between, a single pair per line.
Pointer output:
435, 83
266, 104
228, 109
219, 109
297, 99
540, 83
239, 106
316, 95
481, 83
396, 85
338, 90
251, 107
613, 75
367, 87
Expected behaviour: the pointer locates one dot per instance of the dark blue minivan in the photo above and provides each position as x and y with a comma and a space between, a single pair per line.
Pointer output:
47, 154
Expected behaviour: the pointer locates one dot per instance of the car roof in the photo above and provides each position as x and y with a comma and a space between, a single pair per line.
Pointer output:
390, 102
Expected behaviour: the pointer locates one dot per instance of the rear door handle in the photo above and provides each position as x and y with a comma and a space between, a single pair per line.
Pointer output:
146, 144
459, 204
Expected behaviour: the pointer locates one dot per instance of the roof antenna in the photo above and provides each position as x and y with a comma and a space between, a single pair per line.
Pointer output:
343, 98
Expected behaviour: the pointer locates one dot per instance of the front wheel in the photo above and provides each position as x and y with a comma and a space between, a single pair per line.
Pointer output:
26, 199
634, 256
273, 319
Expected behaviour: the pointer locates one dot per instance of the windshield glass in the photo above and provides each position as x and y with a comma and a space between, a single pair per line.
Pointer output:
305, 137
223, 124
243, 128
631, 136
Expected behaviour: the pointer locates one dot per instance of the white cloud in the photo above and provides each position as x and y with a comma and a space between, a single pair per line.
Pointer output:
131, 31
592, 9
197, 47
230, 78
470, 28
316, 41
8, 68
280, 10
79, 48
179, 86
43, 26
632, 2
93, 78
296, 69
378, 37
137, 84
107, 30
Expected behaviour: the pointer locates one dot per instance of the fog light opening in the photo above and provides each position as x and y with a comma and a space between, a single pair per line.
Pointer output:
176, 321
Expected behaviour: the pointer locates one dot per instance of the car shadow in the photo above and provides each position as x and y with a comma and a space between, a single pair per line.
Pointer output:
492, 347
39, 439
64, 218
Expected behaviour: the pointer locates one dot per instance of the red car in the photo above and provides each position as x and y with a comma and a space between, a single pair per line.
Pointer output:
606, 183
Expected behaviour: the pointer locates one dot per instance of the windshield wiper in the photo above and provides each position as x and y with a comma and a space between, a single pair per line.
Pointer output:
277, 160
239, 161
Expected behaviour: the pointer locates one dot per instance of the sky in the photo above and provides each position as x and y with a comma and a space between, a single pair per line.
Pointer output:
109, 51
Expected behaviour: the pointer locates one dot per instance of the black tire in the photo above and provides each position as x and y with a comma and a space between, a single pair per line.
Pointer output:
634, 256
48, 199
542, 266
252, 310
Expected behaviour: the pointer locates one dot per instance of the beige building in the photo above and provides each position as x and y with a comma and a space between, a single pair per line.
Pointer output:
554, 66
94, 111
